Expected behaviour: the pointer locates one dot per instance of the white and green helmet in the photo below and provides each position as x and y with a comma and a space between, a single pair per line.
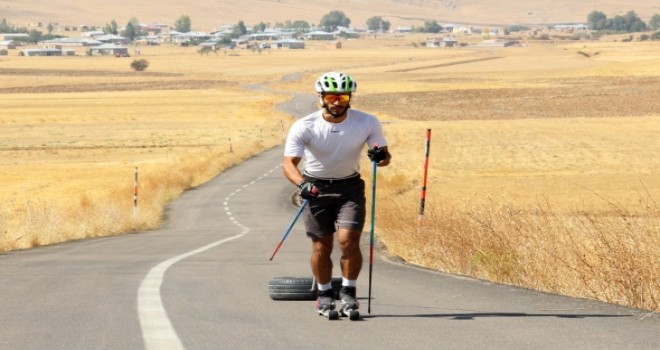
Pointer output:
337, 83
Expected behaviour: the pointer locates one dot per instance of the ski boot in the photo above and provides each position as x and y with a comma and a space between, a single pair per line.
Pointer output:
325, 304
349, 303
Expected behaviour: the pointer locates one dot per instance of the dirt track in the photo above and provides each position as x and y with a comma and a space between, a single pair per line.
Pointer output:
121, 86
591, 97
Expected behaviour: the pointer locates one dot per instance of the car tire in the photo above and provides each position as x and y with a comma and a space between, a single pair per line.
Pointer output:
297, 288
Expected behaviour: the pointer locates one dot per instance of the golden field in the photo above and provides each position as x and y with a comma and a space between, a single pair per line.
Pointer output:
543, 169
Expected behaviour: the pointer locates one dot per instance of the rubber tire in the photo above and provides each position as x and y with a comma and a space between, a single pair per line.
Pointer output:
297, 288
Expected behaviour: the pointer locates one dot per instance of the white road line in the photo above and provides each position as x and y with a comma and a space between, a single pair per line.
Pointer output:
157, 330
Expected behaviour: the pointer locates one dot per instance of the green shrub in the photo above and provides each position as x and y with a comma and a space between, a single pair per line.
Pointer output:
139, 65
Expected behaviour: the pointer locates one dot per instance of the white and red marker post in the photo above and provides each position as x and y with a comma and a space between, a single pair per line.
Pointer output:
422, 201
135, 192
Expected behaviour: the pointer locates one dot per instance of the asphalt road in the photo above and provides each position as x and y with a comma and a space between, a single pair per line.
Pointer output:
200, 282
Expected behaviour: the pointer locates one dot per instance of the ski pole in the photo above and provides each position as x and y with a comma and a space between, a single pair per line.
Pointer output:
288, 230
372, 234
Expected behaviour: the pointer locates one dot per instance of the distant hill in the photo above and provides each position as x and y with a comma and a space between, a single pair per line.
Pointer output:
207, 15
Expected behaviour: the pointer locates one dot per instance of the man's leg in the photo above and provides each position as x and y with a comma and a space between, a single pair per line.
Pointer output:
351, 255
321, 260
351, 264
322, 269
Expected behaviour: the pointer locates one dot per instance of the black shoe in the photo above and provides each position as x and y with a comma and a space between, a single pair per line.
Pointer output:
348, 298
325, 300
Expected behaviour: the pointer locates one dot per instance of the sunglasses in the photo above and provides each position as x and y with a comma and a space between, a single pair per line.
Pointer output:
330, 99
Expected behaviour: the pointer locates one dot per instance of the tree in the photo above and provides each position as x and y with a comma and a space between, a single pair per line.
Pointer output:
378, 24
183, 24
633, 22
34, 36
111, 28
334, 19
4, 27
628, 23
654, 22
619, 24
132, 30
224, 41
300, 26
139, 65
516, 28
239, 29
432, 27
259, 28
596, 20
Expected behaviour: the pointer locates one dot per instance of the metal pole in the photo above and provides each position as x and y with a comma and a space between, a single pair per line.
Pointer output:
288, 230
372, 233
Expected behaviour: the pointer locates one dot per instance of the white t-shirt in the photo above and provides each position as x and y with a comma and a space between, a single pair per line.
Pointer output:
333, 150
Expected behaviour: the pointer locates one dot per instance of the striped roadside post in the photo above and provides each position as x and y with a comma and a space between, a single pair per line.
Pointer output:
135, 192
422, 201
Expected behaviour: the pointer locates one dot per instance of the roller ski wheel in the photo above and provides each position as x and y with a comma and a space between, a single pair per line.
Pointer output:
352, 314
350, 311
330, 314
349, 304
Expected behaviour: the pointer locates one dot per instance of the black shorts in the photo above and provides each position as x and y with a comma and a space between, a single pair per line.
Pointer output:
340, 204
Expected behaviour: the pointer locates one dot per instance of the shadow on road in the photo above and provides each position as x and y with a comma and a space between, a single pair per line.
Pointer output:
475, 315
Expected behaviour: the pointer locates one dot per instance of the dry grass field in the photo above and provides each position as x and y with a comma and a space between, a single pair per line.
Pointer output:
543, 169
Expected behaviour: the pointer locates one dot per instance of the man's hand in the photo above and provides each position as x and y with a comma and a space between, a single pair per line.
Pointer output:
377, 154
308, 190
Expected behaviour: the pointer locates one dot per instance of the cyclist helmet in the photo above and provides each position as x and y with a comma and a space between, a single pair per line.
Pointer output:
333, 82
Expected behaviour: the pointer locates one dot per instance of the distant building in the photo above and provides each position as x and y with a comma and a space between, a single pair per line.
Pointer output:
155, 28
109, 49
69, 42
40, 52
571, 27
13, 36
289, 44
497, 43
449, 27
112, 38
187, 37
8, 44
441, 42
319, 35
92, 34
263, 36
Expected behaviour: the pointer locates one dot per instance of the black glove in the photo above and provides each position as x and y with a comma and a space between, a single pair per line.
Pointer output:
377, 154
308, 190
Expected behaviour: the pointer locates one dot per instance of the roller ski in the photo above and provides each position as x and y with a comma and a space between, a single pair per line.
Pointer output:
349, 304
325, 305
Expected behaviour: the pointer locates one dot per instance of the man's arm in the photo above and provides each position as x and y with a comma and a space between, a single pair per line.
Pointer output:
291, 171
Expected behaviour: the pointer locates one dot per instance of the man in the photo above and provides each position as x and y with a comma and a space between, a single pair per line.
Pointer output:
331, 140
